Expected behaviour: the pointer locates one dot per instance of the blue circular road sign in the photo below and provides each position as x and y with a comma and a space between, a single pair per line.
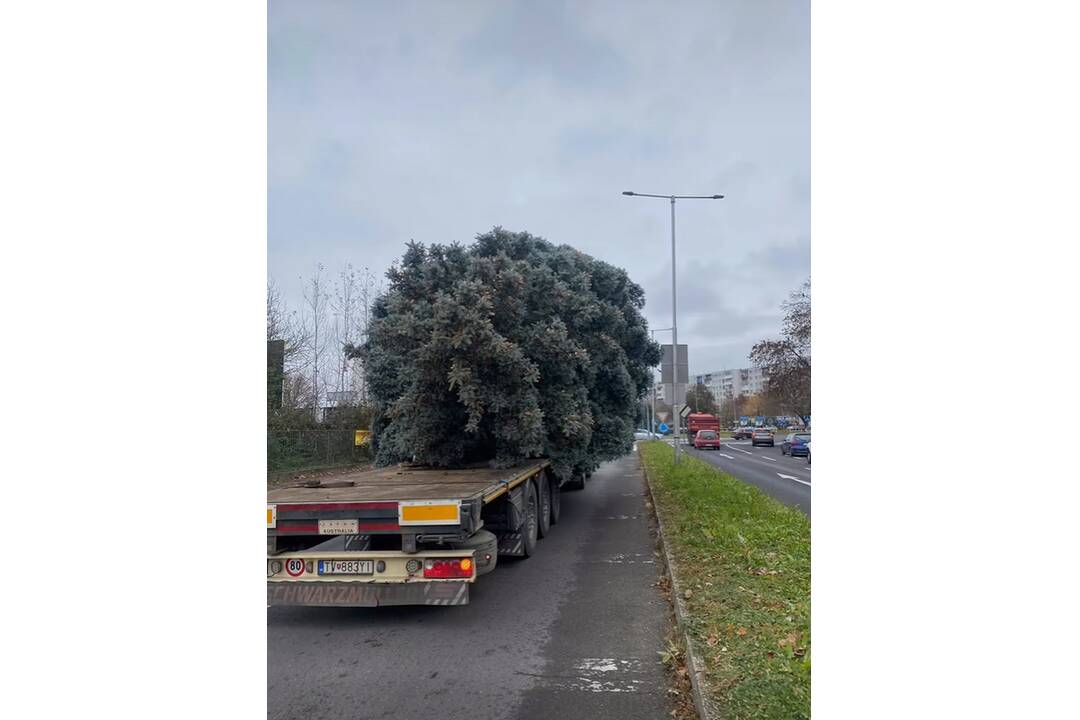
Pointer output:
663, 427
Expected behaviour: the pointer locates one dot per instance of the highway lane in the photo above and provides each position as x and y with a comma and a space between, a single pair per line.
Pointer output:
782, 477
572, 632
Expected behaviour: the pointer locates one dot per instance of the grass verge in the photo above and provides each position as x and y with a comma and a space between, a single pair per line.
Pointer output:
743, 566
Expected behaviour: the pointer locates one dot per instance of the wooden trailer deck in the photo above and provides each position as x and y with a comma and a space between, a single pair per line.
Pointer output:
412, 483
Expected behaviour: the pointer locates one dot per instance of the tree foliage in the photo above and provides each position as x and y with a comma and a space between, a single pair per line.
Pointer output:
507, 349
786, 361
701, 400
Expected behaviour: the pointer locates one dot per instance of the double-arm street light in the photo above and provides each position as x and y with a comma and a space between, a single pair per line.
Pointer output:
674, 305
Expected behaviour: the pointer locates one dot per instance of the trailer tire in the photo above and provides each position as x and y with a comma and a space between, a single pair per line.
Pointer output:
530, 525
556, 501
578, 483
543, 526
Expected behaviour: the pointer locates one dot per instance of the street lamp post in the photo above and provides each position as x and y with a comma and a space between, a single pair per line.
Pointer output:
674, 304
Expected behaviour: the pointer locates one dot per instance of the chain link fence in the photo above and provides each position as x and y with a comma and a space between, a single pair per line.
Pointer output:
313, 448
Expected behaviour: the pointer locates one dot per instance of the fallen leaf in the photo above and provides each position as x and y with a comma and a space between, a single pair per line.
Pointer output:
741, 631
712, 641
688, 594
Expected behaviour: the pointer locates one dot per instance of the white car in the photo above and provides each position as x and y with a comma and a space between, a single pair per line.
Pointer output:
643, 434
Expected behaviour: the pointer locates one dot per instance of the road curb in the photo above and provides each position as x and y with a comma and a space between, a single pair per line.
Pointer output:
693, 661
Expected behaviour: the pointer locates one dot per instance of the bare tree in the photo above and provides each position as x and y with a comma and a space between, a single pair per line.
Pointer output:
787, 361
348, 321
283, 324
314, 321
297, 392
370, 288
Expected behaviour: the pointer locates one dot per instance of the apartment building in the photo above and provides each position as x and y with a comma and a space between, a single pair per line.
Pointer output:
725, 383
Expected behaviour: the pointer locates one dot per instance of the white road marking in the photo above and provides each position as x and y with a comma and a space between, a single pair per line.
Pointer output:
729, 457
606, 675
626, 559
766, 457
738, 450
792, 477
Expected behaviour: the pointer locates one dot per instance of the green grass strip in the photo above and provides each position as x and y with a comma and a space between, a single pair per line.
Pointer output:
743, 566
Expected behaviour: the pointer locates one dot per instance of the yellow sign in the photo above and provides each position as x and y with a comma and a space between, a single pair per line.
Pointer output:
362, 436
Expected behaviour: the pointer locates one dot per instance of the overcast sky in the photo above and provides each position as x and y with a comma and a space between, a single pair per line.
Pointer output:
438, 120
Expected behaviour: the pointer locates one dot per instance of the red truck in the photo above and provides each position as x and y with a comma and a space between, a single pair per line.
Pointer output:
701, 421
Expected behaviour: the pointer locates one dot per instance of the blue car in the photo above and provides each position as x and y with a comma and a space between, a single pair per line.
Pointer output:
796, 444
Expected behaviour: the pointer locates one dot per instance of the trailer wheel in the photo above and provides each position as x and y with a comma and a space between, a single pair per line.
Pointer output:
578, 483
543, 527
530, 527
556, 501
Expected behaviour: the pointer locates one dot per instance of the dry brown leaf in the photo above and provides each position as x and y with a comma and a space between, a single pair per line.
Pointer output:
712, 641
741, 631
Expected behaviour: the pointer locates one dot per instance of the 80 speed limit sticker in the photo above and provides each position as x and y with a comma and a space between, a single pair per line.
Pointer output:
295, 567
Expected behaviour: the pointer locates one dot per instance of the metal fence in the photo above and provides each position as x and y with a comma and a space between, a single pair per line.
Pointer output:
308, 448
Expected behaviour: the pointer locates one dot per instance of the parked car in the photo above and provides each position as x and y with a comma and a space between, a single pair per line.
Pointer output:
762, 436
808, 453
643, 434
796, 444
742, 433
707, 439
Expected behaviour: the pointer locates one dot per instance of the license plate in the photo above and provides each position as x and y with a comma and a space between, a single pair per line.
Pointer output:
346, 567
339, 527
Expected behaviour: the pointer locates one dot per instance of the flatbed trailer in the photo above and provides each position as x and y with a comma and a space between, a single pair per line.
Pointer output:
403, 535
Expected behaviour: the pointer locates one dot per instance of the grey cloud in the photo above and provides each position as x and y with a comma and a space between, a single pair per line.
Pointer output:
436, 121
528, 40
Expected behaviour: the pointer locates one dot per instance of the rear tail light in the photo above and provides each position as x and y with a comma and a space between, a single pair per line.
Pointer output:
448, 568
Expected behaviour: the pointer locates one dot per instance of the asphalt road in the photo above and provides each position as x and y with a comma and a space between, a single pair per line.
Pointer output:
782, 477
572, 632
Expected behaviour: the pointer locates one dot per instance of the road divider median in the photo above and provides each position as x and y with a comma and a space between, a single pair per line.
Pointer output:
740, 568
